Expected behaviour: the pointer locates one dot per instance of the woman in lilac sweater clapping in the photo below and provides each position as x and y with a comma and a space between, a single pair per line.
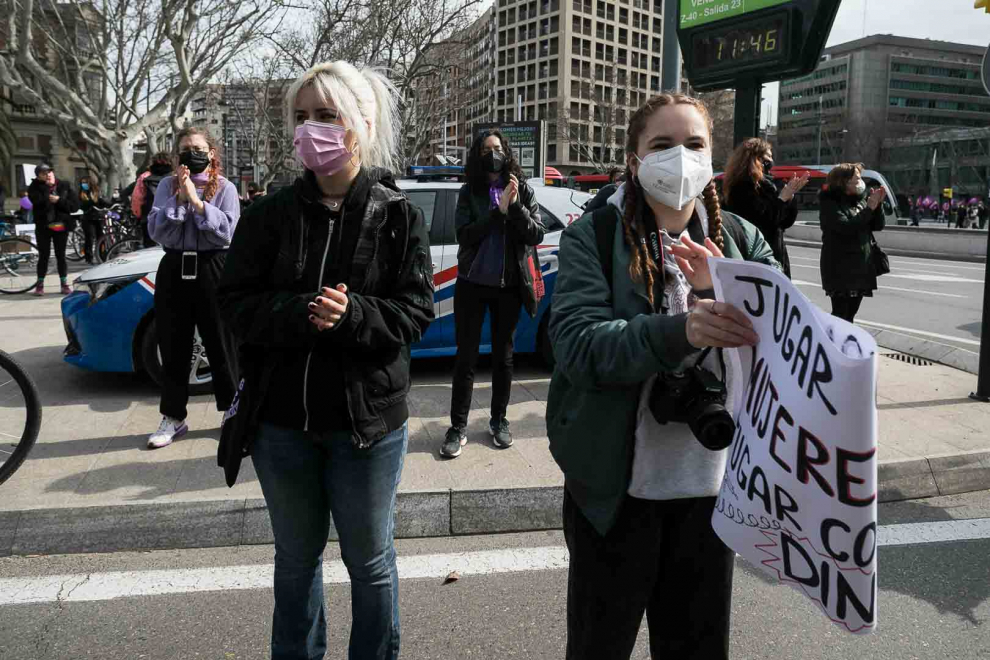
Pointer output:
193, 218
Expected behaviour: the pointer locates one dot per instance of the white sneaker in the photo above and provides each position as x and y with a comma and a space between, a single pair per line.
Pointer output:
168, 430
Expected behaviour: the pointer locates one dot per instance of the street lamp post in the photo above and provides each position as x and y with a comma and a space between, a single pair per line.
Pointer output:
821, 120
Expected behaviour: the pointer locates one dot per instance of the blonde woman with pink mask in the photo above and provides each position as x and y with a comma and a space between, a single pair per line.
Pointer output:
327, 285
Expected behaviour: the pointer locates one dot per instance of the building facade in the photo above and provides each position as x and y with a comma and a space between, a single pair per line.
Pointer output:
877, 88
960, 156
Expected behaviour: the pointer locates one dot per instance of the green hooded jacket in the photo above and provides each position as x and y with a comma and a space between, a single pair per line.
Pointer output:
606, 344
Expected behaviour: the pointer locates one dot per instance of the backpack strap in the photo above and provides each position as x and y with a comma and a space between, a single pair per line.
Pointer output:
605, 225
731, 224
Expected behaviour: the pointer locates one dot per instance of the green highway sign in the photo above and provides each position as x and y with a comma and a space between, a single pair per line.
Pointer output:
699, 12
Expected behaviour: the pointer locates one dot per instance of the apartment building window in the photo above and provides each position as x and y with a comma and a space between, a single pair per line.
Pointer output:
501, 78
553, 48
531, 52
599, 30
522, 32
657, 44
620, 77
658, 6
543, 95
531, 72
530, 93
609, 54
655, 64
575, 89
620, 96
532, 30
553, 94
575, 67
572, 153
550, 7
511, 80
522, 13
576, 23
599, 72
585, 69
599, 51
657, 25
623, 36
610, 11
511, 17
598, 136
501, 38
522, 54
586, 31
552, 152
601, 9
511, 33
501, 58
522, 74
501, 97
510, 56
635, 39
621, 57
624, 15
553, 68
620, 133
635, 59
635, 22
655, 83
610, 33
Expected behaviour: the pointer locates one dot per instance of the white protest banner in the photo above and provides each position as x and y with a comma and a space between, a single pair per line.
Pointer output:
798, 497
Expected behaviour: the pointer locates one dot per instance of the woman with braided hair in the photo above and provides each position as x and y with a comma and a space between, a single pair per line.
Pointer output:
193, 218
640, 491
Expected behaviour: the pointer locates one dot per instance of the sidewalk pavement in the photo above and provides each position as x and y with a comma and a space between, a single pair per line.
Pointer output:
90, 485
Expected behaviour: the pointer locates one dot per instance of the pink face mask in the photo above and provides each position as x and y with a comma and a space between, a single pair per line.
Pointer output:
321, 147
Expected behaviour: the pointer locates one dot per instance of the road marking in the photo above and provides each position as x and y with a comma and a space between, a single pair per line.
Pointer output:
898, 328
947, 279
907, 261
890, 288
77, 588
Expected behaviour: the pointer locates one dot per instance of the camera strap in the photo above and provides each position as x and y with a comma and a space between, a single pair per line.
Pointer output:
721, 361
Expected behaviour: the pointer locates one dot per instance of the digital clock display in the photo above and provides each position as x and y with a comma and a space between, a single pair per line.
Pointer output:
741, 44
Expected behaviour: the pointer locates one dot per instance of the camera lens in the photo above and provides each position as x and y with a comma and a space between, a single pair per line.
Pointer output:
714, 427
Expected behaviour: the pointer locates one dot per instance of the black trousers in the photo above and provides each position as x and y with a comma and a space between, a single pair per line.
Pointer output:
662, 558
93, 230
45, 238
181, 306
846, 307
470, 303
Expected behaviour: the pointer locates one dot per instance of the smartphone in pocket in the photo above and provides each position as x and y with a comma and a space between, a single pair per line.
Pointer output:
190, 264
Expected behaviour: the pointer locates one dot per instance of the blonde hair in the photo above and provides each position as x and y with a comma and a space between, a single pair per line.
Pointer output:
367, 102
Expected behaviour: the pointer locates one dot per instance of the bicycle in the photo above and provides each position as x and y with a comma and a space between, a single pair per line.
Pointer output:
19, 265
17, 393
118, 225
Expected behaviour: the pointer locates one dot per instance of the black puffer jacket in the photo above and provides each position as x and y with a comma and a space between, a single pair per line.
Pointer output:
45, 212
848, 224
762, 206
524, 230
279, 259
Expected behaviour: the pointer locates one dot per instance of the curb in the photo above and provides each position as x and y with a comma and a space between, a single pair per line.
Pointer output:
895, 252
926, 349
225, 523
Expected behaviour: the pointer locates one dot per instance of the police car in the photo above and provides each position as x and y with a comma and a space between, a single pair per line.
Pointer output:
110, 317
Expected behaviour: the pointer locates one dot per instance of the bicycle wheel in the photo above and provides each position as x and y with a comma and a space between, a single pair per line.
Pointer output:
18, 265
124, 246
103, 246
20, 415
76, 249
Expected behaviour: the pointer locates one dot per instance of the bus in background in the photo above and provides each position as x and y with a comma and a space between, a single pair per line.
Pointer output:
552, 178
807, 198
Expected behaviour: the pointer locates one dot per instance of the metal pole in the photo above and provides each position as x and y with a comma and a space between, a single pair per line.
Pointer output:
820, 122
982, 392
670, 69
746, 121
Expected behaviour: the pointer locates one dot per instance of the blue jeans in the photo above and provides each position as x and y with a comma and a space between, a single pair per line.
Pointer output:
307, 477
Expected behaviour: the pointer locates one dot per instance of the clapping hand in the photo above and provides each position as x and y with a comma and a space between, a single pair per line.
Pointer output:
187, 189
510, 194
876, 197
693, 261
794, 186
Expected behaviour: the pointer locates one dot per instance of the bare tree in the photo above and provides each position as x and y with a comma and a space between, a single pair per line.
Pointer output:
397, 35
264, 82
112, 74
593, 128
721, 108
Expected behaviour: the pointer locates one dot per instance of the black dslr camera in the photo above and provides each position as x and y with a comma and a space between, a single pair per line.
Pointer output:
695, 397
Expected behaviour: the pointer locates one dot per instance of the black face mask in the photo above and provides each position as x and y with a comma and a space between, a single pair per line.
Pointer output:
196, 161
494, 161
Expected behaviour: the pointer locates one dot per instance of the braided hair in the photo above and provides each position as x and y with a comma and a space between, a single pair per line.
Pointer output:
215, 168
642, 268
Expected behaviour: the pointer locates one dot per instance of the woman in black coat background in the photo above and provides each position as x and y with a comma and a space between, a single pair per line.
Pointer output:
849, 215
749, 192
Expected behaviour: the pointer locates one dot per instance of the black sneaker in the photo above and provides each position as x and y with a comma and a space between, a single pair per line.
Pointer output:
452, 442
500, 433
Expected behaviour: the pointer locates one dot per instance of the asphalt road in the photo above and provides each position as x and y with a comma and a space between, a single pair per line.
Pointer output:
936, 300
933, 602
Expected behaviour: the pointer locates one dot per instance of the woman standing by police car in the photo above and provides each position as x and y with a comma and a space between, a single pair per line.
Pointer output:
328, 284
627, 318
498, 225
193, 218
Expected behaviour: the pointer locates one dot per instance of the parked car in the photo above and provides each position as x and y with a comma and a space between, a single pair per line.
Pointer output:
110, 317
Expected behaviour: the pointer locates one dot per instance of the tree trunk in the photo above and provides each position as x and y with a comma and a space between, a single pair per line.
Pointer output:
121, 172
